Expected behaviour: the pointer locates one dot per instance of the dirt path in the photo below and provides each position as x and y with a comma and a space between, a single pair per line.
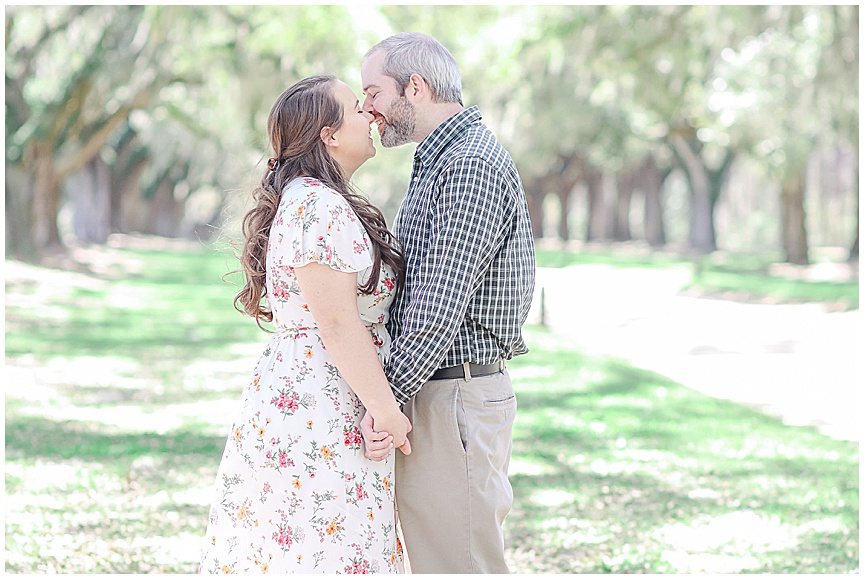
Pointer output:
798, 362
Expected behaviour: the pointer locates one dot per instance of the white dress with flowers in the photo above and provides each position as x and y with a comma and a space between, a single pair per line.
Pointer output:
294, 493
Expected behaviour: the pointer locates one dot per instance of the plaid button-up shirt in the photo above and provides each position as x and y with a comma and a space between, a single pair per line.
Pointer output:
466, 235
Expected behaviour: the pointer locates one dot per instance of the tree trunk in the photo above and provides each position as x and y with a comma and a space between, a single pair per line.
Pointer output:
535, 193
126, 173
651, 181
600, 212
90, 191
165, 211
570, 173
19, 215
702, 236
563, 225
626, 180
46, 198
794, 230
853, 252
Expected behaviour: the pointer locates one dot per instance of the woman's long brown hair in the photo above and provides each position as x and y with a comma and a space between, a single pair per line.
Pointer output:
294, 127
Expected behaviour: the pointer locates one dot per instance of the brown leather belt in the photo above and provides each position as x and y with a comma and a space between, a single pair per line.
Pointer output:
468, 370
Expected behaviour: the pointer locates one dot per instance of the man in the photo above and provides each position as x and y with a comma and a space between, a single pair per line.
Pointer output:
466, 235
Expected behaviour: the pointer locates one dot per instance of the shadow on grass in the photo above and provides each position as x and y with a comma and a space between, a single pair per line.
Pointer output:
30, 438
607, 457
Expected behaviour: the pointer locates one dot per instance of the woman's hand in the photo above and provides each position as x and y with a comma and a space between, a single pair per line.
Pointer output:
378, 440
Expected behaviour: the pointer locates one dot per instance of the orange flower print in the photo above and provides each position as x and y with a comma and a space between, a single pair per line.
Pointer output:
226, 570
299, 558
333, 527
265, 567
238, 436
308, 353
241, 514
386, 483
309, 424
213, 539
296, 484
326, 452
260, 431
370, 515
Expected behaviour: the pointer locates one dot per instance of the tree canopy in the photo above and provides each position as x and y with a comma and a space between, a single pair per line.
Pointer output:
151, 118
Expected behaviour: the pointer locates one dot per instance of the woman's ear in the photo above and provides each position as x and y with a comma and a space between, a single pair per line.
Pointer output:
329, 138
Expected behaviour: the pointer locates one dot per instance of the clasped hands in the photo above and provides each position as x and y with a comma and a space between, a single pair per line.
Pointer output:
385, 433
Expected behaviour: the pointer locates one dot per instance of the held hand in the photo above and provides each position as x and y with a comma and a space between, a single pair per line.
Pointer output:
395, 423
378, 444
378, 438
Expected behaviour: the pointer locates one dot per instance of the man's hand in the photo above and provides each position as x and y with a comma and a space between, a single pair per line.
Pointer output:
378, 444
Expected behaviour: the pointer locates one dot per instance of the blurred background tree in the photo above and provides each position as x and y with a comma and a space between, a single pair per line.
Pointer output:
686, 128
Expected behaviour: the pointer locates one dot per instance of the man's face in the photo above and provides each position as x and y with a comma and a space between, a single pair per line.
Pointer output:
393, 113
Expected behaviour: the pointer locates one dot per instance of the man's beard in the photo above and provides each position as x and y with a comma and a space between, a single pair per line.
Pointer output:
400, 123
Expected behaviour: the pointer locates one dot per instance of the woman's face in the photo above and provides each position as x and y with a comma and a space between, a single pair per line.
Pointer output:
352, 144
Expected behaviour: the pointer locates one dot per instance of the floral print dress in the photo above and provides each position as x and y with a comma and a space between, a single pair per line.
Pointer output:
294, 493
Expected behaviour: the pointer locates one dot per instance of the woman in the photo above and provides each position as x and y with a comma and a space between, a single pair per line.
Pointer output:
294, 492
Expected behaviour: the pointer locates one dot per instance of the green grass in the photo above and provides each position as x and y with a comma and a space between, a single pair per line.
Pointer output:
738, 277
120, 389
616, 467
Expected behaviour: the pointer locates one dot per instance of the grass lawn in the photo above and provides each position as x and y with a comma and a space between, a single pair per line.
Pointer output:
121, 386
741, 277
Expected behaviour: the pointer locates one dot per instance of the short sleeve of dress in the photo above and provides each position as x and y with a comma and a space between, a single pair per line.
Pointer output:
316, 224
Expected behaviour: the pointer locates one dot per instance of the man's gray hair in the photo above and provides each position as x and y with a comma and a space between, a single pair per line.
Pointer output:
410, 53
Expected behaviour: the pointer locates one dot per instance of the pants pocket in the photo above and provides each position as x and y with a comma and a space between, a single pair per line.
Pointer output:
459, 415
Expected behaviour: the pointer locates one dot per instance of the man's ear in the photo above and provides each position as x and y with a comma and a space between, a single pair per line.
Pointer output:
417, 89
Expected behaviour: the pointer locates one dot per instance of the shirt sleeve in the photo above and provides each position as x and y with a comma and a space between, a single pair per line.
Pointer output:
467, 223
318, 225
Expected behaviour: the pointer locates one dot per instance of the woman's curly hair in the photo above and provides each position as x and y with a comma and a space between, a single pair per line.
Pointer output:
294, 127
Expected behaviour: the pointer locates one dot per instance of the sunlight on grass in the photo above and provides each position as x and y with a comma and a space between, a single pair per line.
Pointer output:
117, 405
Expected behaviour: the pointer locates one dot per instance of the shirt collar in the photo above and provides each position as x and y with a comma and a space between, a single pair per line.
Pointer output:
430, 147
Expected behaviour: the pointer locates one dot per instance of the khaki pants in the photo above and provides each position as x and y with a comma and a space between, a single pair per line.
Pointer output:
452, 491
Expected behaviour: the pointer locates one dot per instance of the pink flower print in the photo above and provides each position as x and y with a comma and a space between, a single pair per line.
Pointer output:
280, 292
286, 402
269, 454
311, 182
328, 253
352, 437
284, 461
268, 488
357, 247
284, 537
389, 283
361, 493
274, 442
358, 567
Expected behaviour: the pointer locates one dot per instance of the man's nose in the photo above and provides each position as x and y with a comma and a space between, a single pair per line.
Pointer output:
367, 106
